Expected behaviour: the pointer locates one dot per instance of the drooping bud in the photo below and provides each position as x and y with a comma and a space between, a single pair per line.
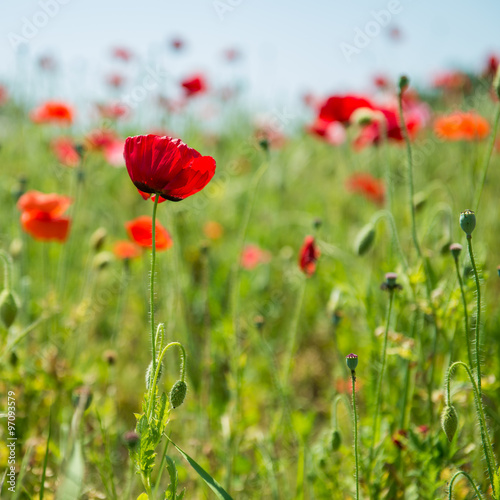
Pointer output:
8, 308
102, 260
468, 221
364, 240
335, 440
455, 249
352, 361
449, 421
178, 393
98, 239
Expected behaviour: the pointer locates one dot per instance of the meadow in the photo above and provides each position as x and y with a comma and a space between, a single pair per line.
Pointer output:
264, 282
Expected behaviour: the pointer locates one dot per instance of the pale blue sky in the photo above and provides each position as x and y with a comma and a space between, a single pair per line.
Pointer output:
289, 46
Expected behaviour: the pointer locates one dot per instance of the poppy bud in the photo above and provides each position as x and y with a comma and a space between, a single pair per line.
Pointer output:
404, 81
335, 440
496, 82
390, 282
16, 247
131, 439
449, 421
8, 308
259, 322
177, 393
150, 375
364, 239
468, 221
420, 199
352, 361
455, 249
317, 222
102, 260
98, 238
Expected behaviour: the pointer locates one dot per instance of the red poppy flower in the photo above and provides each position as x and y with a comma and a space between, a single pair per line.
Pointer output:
461, 126
113, 111
126, 250
53, 112
194, 85
47, 63
340, 108
42, 215
140, 231
3, 95
113, 153
115, 80
177, 44
252, 256
99, 140
65, 150
308, 256
166, 166
366, 185
491, 66
122, 53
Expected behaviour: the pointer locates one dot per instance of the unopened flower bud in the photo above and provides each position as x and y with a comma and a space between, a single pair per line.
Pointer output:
455, 249
131, 439
449, 421
335, 440
259, 322
98, 238
8, 308
390, 282
16, 247
177, 393
403, 83
364, 239
352, 361
317, 223
468, 221
102, 260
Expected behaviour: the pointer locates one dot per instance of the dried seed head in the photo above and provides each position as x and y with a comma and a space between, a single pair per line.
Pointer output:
352, 361
449, 421
178, 393
455, 249
468, 221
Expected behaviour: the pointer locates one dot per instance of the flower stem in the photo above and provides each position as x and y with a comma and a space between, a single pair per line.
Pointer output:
485, 437
380, 377
152, 282
455, 477
488, 157
478, 315
355, 413
466, 314
7, 283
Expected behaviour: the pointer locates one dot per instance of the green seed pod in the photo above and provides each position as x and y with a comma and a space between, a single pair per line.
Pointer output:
177, 393
352, 361
335, 440
455, 249
365, 239
468, 221
150, 375
98, 239
8, 308
449, 421
403, 83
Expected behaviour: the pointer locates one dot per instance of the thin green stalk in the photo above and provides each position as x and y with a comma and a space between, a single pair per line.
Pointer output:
355, 413
478, 314
394, 233
486, 164
455, 477
292, 339
485, 437
7, 258
152, 281
466, 314
380, 377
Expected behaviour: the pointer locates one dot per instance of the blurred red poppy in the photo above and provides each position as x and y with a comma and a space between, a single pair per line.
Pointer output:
115, 80
491, 66
365, 184
140, 231
451, 81
65, 150
113, 110
340, 108
232, 55
99, 140
460, 126
42, 215
4, 96
252, 256
47, 63
166, 166
122, 53
194, 85
53, 112
126, 250
177, 43
309, 254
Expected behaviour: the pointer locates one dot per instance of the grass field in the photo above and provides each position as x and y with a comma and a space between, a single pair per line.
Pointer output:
268, 412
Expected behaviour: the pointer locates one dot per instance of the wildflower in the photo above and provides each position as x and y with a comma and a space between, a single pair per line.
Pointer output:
122, 53
126, 250
194, 85
167, 167
365, 184
55, 112
213, 230
66, 151
309, 254
252, 256
4, 96
140, 231
340, 108
460, 126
